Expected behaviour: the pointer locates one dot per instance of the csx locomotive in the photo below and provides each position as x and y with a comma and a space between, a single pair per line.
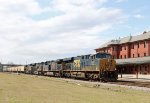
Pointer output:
98, 66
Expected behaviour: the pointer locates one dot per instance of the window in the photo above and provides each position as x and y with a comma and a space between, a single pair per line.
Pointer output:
138, 45
125, 56
145, 44
124, 47
86, 57
138, 55
132, 46
114, 48
120, 48
121, 56
144, 54
133, 55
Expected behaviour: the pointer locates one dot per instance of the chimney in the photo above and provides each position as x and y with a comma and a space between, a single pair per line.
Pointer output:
144, 32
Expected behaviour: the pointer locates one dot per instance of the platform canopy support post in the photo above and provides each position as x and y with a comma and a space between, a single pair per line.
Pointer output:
137, 71
121, 71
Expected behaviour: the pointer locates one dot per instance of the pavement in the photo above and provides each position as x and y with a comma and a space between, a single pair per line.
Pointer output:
133, 77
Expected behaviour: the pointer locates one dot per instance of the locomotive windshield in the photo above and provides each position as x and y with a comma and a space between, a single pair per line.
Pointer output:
103, 55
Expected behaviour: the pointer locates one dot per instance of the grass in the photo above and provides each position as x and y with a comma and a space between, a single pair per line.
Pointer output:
33, 89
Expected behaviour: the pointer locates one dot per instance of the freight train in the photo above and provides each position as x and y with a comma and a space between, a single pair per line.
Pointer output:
99, 66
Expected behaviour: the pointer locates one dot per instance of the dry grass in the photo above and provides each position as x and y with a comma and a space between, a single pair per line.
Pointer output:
32, 89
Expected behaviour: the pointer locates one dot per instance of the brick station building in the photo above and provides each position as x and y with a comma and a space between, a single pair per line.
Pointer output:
132, 53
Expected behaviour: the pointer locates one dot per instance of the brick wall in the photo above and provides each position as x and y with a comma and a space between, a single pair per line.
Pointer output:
123, 53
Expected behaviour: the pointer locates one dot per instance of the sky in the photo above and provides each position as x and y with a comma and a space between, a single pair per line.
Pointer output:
42, 30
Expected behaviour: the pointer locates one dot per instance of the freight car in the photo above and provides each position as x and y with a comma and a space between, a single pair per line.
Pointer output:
98, 66
15, 69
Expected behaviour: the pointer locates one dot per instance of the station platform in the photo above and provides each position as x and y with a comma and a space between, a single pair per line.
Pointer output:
134, 77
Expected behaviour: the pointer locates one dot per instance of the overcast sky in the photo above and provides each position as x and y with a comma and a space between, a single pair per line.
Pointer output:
40, 30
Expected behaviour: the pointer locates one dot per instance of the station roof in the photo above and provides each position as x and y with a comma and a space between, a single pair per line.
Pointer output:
141, 60
128, 39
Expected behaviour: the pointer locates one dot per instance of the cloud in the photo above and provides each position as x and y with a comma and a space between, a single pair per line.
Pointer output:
120, 1
74, 30
138, 16
24, 7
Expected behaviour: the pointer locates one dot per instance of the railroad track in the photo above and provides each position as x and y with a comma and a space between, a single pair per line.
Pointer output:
124, 82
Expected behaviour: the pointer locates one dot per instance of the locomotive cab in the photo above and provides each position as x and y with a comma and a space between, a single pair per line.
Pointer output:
107, 67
